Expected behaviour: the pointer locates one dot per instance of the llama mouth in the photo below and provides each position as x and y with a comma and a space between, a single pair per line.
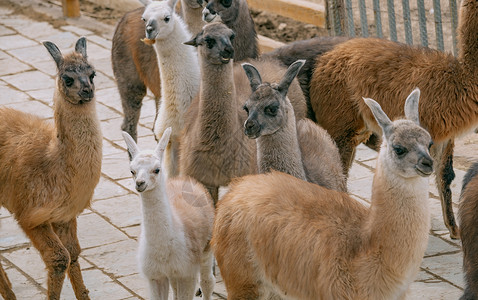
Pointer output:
225, 60
423, 173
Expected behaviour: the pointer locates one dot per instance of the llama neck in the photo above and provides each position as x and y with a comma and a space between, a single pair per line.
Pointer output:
468, 34
399, 219
78, 132
192, 17
217, 105
245, 43
280, 151
157, 214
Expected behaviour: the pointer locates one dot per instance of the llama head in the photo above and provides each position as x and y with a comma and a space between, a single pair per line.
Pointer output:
406, 144
146, 165
214, 43
225, 10
193, 3
159, 18
75, 73
268, 108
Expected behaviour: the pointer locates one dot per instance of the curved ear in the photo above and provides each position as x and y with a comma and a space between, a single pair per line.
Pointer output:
292, 71
253, 74
54, 52
145, 2
380, 116
131, 145
163, 142
411, 106
80, 46
172, 3
194, 40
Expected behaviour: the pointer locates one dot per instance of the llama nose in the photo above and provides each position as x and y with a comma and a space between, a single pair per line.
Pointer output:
140, 185
251, 129
425, 165
149, 29
86, 93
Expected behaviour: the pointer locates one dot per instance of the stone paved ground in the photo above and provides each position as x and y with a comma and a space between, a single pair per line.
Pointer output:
108, 231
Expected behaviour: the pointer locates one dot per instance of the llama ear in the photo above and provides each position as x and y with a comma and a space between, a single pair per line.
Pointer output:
163, 142
194, 40
253, 74
411, 106
54, 52
380, 116
172, 3
80, 46
131, 145
290, 74
145, 2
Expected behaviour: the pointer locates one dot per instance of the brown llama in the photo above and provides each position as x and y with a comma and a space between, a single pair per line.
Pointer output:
468, 218
276, 236
60, 164
386, 71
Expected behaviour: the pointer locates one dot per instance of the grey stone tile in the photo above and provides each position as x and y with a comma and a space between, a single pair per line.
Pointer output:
136, 283
359, 172
433, 289
116, 166
9, 95
28, 260
31, 80
103, 81
36, 53
437, 245
4, 213
64, 40
22, 287
121, 211
94, 231
363, 153
112, 129
37, 30
97, 52
118, 259
127, 183
15, 21
8, 42
77, 30
44, 95
100, 41
33, 107
46, 66
106, 113
4, 55
100, 286
12, 66
447, 266
361, 187
111, 148
11, 235
103, 65
133, 231
109, 97
5, 31
108, 189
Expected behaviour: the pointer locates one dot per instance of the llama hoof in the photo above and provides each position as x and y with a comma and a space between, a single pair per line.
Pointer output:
199, 293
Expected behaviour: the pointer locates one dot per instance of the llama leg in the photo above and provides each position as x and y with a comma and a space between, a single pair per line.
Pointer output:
444, 177
67, 232
207, 277
184, 288
6, 286
346, 145
159, 288
54, 255
214, 191
132, 94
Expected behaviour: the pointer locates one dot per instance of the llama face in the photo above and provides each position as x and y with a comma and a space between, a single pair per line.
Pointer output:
75, 80
146, 171
214, 43
266, 110
228, 10
159, 19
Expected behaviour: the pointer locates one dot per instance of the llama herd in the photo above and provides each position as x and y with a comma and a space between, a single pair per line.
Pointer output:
279, 129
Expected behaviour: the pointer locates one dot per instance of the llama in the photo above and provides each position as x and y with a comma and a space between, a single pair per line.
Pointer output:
176, 229
314, 243
178, 68
235, 14
367, 66
213, 149
272, 123
135, 65
61, 165
467, 216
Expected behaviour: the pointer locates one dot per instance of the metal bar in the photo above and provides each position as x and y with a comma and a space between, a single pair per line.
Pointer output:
378, 17
350, 18
391, 20
407, 22
438, 24
454, 24
422, 22
363, 18
336, 14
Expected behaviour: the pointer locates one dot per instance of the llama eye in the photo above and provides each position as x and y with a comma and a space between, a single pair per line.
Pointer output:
246, 109
232, 37
133, 173
210, 43
430, 145
271, 111
92, 76
399, 150
68, 80
166, 19
226, 3
144, 20
156, 171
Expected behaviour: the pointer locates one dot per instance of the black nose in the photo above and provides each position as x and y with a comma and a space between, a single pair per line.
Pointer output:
86, 92
425, 165
251, 128
140, 185
149, 29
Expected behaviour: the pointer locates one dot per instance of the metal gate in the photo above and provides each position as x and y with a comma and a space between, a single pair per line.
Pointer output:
430, 23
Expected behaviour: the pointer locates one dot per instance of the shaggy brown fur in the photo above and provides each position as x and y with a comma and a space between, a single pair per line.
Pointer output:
213, 149
388, 71
49, 173
135, 65
468, 218
276, 235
